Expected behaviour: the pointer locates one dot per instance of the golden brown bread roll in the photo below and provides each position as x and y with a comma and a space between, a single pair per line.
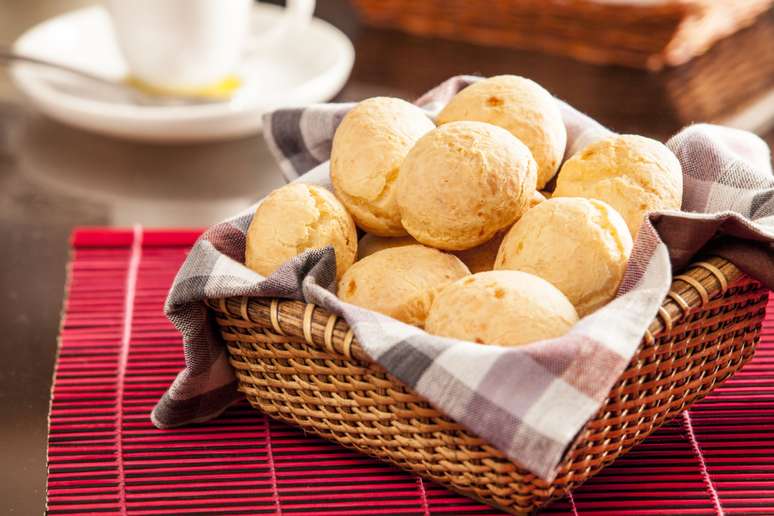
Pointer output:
368, 148
478, 259
400, 282
509, 308
581, 246
462, 183
295, 218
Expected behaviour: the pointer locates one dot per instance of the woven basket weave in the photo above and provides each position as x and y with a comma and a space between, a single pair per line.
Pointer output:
299, 363
639, 34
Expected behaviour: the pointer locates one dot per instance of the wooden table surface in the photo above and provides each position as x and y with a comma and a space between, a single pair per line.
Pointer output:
53, 178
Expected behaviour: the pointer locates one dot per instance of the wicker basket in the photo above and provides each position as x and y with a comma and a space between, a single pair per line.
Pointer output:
639, 34
301, 364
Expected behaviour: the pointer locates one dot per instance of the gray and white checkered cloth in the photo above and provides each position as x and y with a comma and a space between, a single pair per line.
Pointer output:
530, 401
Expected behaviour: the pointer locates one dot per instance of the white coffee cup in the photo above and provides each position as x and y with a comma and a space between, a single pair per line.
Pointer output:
193, 44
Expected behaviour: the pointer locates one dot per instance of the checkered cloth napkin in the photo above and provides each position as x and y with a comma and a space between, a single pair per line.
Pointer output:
530, 401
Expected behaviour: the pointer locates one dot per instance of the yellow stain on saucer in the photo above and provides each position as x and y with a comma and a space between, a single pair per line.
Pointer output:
221, 90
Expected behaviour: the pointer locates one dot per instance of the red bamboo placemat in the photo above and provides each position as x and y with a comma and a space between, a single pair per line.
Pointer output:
118, 353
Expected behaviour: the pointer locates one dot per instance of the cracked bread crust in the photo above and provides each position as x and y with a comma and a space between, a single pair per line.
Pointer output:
633, 174
295, 218
462, 183
581, 246
368, 148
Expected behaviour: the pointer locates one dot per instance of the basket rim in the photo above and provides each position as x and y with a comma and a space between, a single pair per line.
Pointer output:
702, 281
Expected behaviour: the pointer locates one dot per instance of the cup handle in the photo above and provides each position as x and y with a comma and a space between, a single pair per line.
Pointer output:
297, 15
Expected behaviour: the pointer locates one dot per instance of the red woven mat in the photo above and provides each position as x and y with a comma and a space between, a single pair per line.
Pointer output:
118, 353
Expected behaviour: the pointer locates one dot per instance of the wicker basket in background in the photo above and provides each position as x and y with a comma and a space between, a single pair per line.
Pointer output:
301, 364
635, 33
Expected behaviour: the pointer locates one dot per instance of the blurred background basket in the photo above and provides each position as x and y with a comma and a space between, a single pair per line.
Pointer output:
301, 364
649, 34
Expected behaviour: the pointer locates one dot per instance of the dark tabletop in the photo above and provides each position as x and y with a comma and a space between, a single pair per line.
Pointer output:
53, 178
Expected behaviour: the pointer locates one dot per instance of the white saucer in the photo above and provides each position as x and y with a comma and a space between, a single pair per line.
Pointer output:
311, 67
